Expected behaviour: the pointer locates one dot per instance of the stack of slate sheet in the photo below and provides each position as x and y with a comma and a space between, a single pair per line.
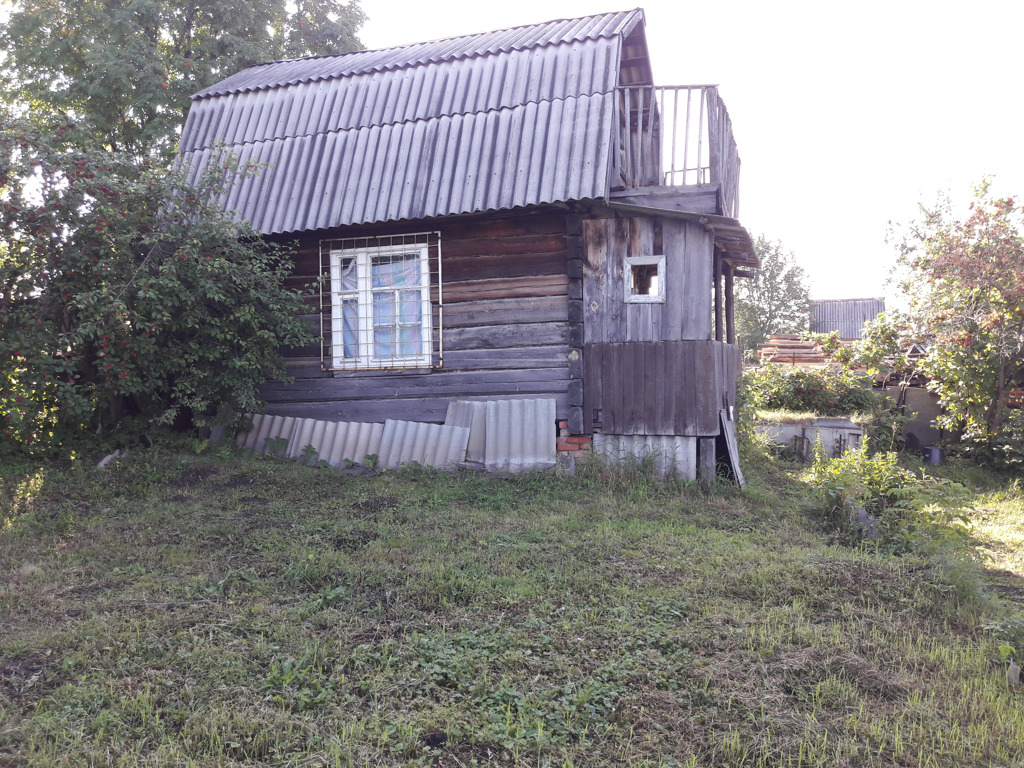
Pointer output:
503, 435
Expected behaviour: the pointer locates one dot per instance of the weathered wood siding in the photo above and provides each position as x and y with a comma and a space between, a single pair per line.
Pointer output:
686, 312
658, 387
506, 326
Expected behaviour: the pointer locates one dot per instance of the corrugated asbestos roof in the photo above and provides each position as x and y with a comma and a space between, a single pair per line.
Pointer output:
282, 73
495, 121
847, 316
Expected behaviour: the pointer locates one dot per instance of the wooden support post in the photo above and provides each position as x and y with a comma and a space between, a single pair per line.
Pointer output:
730, 309
706, 460
718, 297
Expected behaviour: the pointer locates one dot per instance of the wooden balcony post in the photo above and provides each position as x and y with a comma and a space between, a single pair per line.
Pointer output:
718, 296
730, 306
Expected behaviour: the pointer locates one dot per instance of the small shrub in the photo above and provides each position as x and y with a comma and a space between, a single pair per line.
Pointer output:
826, 392
1007, 446
909, 511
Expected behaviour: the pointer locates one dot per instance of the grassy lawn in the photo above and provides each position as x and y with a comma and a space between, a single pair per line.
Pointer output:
230, 611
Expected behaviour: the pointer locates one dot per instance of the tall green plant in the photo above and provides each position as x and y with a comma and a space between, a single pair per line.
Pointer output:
873, 497
125, 291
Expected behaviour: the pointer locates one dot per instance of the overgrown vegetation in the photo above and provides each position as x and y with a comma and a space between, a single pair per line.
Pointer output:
127, 292
873, 499
226, 610
824, 392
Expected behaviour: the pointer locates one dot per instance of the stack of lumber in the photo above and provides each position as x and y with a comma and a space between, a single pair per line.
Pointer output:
790, 349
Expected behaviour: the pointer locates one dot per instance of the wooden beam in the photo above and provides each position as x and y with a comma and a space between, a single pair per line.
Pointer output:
718, 297
730, 309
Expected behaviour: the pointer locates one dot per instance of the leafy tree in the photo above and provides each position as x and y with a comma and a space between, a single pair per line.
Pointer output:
121, 71
965, 279
776, 300
126, 292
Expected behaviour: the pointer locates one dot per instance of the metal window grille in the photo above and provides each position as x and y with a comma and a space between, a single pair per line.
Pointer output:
380, 302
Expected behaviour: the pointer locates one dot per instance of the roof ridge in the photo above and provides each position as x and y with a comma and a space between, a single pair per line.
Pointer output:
492, 42
436, 40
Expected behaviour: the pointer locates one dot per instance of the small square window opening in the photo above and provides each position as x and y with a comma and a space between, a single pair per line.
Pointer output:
644, 278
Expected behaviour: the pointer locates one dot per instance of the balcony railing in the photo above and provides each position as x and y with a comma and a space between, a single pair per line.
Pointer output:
677, 135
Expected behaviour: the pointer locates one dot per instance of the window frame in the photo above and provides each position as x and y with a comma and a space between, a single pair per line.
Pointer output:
627, 279
364, 294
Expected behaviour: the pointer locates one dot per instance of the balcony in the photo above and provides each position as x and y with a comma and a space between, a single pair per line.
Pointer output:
678, 137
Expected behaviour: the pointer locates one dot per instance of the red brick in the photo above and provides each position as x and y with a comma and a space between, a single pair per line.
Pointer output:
567, 446
579, 440
564, 424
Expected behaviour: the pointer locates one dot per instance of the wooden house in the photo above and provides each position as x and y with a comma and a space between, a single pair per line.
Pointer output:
513, 214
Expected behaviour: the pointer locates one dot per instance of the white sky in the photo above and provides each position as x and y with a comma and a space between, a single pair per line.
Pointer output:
847, 115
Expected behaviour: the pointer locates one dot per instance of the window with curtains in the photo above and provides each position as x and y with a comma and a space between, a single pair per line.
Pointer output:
379, 293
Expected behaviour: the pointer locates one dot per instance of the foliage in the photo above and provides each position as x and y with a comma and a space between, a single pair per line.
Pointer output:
965, 279
825, 392
775, 300
122, 73
1006, 448
908, 511
125, 291
883, 349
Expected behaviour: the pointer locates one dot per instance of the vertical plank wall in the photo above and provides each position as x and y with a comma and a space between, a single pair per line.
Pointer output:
652, 369
686, 313
505, 327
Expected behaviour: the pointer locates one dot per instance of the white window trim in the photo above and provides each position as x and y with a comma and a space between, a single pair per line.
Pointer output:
627, 279
364, 294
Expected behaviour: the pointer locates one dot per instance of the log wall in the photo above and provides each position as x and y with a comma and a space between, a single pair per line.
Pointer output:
506, 326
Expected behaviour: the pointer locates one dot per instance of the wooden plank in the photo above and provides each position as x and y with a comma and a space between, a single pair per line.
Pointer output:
732, 451
477, 290
613, 291
691, 199
453, 385
718, 297
510, 335
688, 377
488, 267
610, 389
674, 248
695, 246
620, 390
538, 309
705, 405
730, 312
554, 356
506, 246
636, 393
658, 402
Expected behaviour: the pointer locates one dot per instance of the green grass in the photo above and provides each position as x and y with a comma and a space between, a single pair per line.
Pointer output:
230, 611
